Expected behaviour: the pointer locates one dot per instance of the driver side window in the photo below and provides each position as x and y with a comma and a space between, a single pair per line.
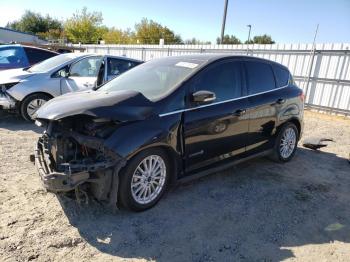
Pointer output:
87, 67
223, 78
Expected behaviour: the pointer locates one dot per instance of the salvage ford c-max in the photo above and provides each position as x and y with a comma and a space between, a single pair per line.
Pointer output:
166, 120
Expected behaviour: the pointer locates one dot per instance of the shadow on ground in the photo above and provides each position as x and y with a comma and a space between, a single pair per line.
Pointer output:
250, 212
13, 122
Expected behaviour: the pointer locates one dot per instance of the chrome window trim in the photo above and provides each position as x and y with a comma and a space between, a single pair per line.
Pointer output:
220, 102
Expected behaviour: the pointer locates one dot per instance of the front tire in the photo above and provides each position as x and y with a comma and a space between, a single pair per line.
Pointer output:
144, 180
31, 104
286, 143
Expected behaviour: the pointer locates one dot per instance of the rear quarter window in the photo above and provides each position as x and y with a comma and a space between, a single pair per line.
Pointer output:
37, 55
282, 75
260, 77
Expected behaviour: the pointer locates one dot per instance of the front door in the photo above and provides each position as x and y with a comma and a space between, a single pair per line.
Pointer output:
217, 130
82, 75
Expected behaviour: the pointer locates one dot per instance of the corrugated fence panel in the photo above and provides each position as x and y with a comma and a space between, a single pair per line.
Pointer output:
323, 71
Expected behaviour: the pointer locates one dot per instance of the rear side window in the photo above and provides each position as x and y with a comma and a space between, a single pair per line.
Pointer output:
116, 67
260, 77
282, 75
37, 55
223, 79
12, 57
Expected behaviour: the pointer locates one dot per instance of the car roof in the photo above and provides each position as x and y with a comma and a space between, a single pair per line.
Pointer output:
209, 58
34, 47
75, 55
124, 58
114, 56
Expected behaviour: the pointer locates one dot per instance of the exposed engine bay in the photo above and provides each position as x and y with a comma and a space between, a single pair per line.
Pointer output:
71, 155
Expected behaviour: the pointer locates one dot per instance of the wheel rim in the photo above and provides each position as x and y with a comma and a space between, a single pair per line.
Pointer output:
288, 142
148, 179
34, 105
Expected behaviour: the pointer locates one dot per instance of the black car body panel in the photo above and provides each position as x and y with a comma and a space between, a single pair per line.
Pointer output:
196, 137
121, 106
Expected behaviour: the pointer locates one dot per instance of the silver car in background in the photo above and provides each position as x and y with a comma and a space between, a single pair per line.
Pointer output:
26, 90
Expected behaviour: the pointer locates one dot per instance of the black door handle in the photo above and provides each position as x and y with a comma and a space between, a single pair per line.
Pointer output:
240, 112
280, 101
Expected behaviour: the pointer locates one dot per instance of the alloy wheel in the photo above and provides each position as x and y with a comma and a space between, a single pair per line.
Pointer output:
34, 105
148, 179
288, 142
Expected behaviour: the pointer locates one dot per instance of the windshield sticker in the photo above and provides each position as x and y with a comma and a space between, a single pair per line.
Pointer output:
187, 64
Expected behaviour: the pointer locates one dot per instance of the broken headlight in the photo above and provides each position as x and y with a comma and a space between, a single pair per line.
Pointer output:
100, 127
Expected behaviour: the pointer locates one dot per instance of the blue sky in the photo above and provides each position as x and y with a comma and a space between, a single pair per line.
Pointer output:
287, 21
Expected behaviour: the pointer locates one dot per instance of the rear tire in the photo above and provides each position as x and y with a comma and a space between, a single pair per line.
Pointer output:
142, 186
286, 143
31, 104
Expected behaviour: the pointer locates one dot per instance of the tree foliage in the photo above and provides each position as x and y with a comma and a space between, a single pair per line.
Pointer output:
84, 27
118, 36
35, 23
261, 39
229, 40
149, 32
194, 41
87, 28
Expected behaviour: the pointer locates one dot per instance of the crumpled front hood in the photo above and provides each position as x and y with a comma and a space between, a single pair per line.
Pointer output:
14, 75
123, 105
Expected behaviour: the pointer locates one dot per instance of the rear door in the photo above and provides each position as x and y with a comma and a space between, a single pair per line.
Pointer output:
217, 130
265, 99
82, 75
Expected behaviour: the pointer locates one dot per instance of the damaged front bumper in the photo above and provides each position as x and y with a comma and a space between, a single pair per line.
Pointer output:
6, 102
56, 181
98, 177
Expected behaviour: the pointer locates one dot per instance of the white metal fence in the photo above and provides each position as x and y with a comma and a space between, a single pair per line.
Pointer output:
322, 72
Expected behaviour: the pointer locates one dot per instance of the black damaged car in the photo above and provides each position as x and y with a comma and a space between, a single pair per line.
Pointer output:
167, 120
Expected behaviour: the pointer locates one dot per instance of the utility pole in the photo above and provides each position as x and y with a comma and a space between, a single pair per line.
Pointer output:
224, 22
311, 63
250, 28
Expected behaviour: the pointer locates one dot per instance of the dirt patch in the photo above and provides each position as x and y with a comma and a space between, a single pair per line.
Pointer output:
257, 211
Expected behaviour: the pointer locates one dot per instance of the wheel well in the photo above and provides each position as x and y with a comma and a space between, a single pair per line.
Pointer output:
297, 124
295, 121
174, 162
19, 104
37, 93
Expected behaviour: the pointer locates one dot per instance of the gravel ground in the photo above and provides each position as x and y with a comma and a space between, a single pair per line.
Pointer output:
257, 211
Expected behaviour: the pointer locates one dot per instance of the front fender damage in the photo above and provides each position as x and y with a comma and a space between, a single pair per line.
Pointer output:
70, 161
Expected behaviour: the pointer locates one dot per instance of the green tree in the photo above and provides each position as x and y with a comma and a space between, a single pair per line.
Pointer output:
229, 40
85, 27
195, 41
149, 32
35, 23
118, 36
262, 39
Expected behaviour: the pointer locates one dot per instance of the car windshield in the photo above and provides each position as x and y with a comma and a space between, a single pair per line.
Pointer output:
51, 63
154, 79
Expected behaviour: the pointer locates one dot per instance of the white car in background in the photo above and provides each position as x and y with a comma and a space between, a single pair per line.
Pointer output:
26, 90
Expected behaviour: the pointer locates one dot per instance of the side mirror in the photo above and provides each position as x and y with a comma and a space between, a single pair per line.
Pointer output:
64, 73
203, 96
